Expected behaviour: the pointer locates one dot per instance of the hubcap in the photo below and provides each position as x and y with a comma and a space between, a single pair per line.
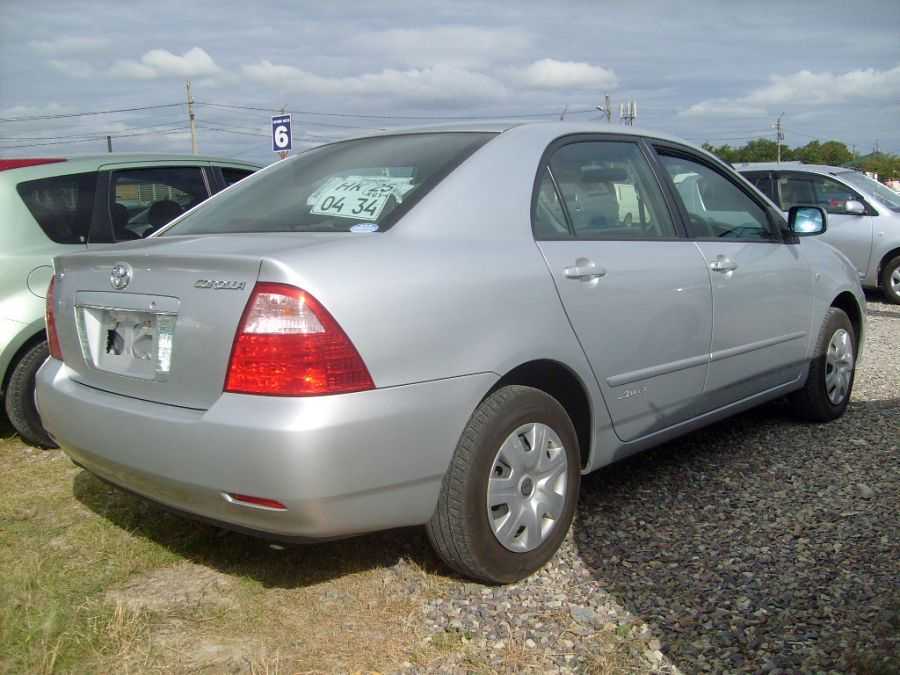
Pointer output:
895, 281
526, 492
838, 366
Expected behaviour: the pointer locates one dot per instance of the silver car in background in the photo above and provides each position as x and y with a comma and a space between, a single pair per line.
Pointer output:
442, 327
863, 214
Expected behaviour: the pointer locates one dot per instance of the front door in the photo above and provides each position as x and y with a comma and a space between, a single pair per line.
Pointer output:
636, 291
762, 289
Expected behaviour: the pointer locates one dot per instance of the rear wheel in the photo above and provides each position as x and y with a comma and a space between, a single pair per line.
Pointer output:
509, 496
20, 406
890, 280
830, 381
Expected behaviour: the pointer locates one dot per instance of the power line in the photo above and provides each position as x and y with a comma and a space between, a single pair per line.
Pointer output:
84, 114
90, 134
96, 138
393, 117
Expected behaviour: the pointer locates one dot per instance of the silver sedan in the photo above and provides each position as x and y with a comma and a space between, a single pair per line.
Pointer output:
442, 327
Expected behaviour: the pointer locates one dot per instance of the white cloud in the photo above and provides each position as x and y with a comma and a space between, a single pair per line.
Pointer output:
69, 44
77, 69
455, 45
440, 82
553, 74
162, 63
806, 88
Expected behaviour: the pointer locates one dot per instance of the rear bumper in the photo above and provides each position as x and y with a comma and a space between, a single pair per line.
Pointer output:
341, 465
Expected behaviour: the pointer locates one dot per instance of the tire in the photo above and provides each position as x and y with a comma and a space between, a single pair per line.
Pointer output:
890, 280
19, 402
461, 530
830, 381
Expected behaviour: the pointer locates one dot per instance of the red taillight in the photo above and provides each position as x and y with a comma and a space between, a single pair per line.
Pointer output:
50, 320
19, 163
287, 344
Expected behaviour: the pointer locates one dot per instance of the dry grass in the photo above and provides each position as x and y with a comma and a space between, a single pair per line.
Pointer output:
83, 566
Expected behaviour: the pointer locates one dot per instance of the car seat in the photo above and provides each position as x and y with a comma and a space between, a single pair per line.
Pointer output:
119, 216
163, 212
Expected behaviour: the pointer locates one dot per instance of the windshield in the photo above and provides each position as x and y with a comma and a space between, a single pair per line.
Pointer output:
881, 192
362, 185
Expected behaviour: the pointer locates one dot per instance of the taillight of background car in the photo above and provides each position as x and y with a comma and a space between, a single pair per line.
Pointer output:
50, 321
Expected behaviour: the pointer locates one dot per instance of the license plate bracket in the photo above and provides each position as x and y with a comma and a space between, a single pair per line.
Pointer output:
127, 342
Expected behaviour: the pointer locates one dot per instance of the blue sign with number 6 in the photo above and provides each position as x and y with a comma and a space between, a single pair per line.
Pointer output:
281, 133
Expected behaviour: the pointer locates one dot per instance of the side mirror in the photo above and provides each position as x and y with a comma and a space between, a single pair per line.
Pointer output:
807, 220
854, 207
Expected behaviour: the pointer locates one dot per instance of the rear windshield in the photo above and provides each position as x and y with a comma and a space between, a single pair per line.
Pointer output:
62, 205
362, 185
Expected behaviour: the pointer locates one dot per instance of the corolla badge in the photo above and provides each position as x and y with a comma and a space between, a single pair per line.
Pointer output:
120, 276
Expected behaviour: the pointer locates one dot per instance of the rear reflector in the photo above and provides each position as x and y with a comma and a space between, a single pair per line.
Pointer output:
256, 501
6, 164
50, 321
288, 344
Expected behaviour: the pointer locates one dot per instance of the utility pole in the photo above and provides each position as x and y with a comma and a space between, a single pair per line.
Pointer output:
628, 112
109, 143
779, 135
284, 153
190, 104
605, 109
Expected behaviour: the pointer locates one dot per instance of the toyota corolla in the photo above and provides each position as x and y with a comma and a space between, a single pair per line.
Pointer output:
442, 327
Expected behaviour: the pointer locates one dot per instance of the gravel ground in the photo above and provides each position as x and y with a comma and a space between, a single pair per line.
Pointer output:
756, 545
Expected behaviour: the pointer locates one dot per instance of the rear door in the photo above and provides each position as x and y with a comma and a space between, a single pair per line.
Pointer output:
761, 287
850, 233
636, 291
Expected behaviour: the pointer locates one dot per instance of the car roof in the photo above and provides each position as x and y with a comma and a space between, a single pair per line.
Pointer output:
790, 166
81, 163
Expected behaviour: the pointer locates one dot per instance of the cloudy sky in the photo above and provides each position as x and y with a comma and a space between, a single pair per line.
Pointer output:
706, 71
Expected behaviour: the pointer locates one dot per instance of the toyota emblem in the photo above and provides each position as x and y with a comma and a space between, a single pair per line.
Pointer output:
120, 276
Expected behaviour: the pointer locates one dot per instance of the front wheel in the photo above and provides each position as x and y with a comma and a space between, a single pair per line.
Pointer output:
831, 371
509, 495
890, 280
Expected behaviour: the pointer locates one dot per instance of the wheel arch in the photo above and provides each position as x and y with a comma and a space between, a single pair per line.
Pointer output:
35, 338
886, 258
559, 381
847, 302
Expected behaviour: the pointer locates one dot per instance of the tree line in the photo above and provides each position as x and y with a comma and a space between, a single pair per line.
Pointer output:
835, 153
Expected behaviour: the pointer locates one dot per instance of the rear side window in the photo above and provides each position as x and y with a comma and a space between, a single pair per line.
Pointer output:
762, 181
360, 185
143, 200
610, 192
232, 176
62, 205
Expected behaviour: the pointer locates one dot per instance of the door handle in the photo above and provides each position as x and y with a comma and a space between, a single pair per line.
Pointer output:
584, 270
723, 264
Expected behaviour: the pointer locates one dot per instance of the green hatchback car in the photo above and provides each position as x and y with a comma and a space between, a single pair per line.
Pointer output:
60, 205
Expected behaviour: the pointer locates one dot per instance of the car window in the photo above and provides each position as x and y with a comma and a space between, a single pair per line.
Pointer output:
762, 181
549, 218
881, 192
232, 175
814, 189
143, 200
716, 207
361, 185
610, 192
61, 205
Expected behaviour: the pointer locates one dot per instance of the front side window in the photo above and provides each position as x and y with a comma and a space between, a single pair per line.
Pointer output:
816, 190
143, 200
610, 192
361, 185
716, 207
881, 192
62, 205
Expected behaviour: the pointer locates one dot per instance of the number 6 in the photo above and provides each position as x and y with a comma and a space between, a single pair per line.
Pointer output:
281, 137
